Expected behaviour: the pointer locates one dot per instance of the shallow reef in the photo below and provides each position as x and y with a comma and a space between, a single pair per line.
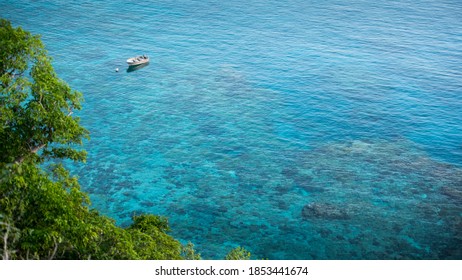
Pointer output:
360, 199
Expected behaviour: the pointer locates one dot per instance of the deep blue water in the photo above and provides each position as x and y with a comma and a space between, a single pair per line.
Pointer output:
297, 129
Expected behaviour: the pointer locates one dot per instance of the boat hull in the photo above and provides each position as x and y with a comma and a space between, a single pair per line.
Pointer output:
138, 60
132, 68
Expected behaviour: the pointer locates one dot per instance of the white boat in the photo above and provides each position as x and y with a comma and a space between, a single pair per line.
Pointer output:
138, 60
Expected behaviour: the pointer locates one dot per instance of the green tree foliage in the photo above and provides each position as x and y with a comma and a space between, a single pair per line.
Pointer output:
238, 253
43, 212
35, 105
189, 253
150, 238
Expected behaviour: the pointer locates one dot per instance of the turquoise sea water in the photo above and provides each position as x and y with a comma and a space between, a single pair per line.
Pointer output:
297, 129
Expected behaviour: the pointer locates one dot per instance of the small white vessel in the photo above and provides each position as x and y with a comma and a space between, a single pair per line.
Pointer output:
138, 60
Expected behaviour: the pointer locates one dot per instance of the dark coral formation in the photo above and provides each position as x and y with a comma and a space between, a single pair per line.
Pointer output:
324, 211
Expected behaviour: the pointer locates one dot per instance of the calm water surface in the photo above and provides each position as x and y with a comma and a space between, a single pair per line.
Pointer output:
298, 129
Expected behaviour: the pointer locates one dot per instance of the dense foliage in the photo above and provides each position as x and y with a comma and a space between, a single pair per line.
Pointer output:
238, 253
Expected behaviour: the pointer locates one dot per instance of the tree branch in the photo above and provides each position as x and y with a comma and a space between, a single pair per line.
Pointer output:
35, 149
55, 249
5, 241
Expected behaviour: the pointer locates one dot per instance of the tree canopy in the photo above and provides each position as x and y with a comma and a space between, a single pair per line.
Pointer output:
35, 105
